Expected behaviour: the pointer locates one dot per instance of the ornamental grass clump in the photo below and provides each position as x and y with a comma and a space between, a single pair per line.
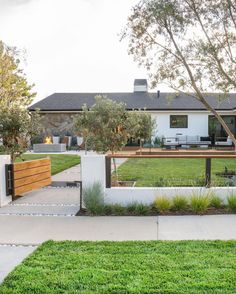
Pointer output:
93, 198
118, 209
216, 202
179, 203
232, 202
162, 204
131, 207
200, 202
142, 209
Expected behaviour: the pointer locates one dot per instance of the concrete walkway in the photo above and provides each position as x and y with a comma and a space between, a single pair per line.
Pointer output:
48, 201
36, 229
11, 256
70, 174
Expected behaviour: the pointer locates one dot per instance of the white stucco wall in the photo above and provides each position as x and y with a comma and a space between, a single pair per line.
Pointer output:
4, 200
197, 124
125, 196
92, 169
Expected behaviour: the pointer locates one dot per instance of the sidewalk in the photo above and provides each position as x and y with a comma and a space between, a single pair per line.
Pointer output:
194, 227
37, 229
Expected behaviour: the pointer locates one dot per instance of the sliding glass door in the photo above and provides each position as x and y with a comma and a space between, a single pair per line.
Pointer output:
216, 129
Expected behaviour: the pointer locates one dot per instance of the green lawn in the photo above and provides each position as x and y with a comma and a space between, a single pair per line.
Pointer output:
127, 267
172, 172
59, 162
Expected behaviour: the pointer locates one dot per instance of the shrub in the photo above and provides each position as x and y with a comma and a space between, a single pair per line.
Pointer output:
216, 201
108, 209
119, 209
142, 209
131, 207
180, 202
37, 139
232, 202
93, 198
162, 204
200, 202
230, 182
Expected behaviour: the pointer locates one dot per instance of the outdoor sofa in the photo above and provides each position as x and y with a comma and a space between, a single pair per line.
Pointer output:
226, 143
186, 142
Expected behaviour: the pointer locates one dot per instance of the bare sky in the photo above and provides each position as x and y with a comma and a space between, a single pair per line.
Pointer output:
72, 45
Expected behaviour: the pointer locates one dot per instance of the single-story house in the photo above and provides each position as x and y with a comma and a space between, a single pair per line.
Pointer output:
174, 114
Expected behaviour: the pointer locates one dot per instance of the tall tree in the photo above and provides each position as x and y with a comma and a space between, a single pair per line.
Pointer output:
187, 44
17, 125
107, 126
14, 88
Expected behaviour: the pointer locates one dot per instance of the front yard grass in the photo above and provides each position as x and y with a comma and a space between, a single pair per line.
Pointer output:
172, 172
127, 267
59, 162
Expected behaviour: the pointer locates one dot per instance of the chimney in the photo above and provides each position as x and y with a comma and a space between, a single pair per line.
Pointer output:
140, 85
158, 93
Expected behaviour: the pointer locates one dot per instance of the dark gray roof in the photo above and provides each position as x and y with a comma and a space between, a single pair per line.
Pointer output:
166, 101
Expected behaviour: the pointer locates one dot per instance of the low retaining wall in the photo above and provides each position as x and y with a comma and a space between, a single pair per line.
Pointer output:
148, 195
4, 200
93, 170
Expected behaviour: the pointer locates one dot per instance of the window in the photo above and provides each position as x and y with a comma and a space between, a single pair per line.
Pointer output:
178, 121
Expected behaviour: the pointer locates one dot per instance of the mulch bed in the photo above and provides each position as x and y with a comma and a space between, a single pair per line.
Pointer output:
210, 211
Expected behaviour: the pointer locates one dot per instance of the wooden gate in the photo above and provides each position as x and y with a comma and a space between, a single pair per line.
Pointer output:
29, 175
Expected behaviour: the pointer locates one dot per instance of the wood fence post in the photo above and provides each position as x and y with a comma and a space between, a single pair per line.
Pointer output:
208, 173
108, 171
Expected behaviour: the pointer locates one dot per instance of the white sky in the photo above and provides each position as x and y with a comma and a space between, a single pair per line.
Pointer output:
71, 45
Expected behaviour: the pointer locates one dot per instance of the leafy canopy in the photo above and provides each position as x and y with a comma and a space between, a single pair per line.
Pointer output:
14, 88
177, 40
17, 125
190, 45
107, 125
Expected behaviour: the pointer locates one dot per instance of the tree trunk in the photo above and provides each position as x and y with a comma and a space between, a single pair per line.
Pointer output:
140, 146
85, 146
115, 170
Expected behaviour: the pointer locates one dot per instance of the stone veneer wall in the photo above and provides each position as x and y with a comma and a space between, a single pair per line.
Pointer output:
57, 122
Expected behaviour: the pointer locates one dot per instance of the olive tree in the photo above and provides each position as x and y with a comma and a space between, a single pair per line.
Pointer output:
188, 45
141, 126
107, 125
17, 124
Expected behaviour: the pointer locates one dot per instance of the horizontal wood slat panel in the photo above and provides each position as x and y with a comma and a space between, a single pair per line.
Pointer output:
32, 179
31, 175
31, 172
33, 186
31, 164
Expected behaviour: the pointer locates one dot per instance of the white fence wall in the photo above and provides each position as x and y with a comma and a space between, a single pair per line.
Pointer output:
4, 200
93, 169
127, 195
